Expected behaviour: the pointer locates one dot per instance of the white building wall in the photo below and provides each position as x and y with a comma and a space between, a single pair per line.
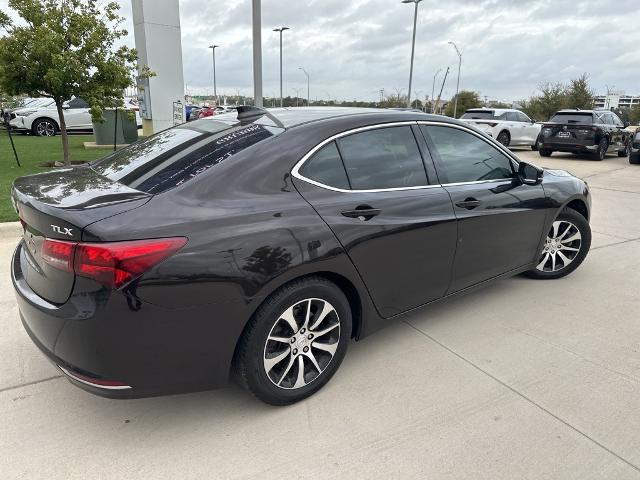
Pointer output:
156, 26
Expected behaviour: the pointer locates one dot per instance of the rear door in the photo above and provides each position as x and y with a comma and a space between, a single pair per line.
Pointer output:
518, 135
500, 221
76, 114
371, 187
529, 129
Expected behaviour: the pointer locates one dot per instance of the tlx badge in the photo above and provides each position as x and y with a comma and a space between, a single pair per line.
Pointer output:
62, 230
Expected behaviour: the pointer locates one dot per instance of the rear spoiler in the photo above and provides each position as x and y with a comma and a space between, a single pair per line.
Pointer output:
248, 114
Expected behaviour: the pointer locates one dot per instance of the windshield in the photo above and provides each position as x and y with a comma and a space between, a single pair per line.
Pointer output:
478, 114
174, 156
583, 118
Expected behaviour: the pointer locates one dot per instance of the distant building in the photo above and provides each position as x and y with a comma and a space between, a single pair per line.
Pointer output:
616, 100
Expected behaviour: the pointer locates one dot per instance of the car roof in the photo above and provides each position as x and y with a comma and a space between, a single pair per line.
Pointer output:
576, 110
289, 117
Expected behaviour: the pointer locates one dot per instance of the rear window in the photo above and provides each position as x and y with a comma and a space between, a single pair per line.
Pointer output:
175, 156
478, 115
572, 118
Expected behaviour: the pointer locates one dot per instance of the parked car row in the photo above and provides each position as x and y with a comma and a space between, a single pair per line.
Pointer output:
40, 116
196, 112
592, 132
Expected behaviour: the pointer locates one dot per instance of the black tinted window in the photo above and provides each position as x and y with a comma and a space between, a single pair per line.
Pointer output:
463, 157
174, 156
383, 158
479, 115
325, 167
568, 118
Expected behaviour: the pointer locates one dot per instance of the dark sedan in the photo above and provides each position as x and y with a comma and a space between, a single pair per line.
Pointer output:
261, 243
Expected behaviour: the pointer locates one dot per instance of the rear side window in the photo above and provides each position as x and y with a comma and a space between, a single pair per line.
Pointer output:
325, 167
383, 158
464, 157
174, 156
512, 117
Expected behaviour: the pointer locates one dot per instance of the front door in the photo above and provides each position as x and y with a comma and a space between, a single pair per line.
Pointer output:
399, 231
500, 221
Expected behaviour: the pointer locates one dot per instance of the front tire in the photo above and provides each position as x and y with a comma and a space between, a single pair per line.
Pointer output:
565, 247
634, 159
295, 341
626, 152
536, 146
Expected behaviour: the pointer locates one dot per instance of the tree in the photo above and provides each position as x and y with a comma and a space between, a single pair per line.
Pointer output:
634, 115
466, 99
579, 93
66, 49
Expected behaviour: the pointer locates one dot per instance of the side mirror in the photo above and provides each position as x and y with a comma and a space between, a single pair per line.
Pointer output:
529, 174
533, 120
626, 124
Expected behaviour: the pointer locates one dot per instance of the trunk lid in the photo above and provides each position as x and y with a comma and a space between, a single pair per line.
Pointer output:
568, 133
59, 205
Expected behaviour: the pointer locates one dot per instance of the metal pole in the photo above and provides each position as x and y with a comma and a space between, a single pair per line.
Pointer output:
257, 52
8, 126
281, 102
115, 130
413, 47
215, 87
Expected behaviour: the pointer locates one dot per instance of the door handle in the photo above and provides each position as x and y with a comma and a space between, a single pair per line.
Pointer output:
468, 203
362, 212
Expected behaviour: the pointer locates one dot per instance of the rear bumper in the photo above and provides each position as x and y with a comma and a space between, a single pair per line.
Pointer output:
569, 147
101, 339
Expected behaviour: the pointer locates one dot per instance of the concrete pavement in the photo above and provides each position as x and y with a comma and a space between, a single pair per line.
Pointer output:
524, 379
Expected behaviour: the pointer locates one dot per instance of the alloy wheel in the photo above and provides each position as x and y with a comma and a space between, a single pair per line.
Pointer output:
301, 343
561, 247
46, 129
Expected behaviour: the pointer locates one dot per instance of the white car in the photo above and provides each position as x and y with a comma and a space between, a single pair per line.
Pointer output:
42, 119
510, 127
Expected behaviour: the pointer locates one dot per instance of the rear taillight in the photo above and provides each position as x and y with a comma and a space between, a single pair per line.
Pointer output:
112, 264
58, 254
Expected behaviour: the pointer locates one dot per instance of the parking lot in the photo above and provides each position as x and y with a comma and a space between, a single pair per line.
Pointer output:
523, 379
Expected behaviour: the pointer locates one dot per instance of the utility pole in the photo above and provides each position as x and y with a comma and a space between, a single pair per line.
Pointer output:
307, 75
455, 105
413, 46
441, 89
433, 87
280, 30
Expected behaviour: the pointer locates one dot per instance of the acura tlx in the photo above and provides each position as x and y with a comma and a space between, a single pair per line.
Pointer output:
258, 244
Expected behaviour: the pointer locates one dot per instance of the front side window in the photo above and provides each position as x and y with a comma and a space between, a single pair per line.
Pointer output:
325, 167
512, 117
383, 158
464, 157
523, 118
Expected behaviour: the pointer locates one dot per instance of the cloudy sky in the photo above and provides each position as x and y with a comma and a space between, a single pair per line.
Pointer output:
354, 48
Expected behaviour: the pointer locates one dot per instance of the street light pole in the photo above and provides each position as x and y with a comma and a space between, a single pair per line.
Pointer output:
215, 91
413, 46
308, 97
256, 21
455, 105
433, 88
281, 29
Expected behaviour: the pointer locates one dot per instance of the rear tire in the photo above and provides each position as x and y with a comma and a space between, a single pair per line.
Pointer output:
634, 159
601, 152
504, 138
308, 347
536, 146
565, 248
44, 127
545, 152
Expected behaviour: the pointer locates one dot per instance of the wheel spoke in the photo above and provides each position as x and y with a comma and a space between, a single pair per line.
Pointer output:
279, 339
312, 357
570, 249
288, 317
565, 232
327, 347
543, 262
326, 310
572, 238
555, 227
308, 315
300, 379
553, 262
269, 363
564, 258
319, 333
287, 370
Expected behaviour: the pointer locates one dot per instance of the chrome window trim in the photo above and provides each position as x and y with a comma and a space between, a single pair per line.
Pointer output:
295, 172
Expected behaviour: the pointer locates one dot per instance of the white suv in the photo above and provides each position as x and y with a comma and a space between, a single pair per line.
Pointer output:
42, 119
510, 127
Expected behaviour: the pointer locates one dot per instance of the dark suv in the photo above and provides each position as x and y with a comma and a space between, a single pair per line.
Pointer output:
596, 132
